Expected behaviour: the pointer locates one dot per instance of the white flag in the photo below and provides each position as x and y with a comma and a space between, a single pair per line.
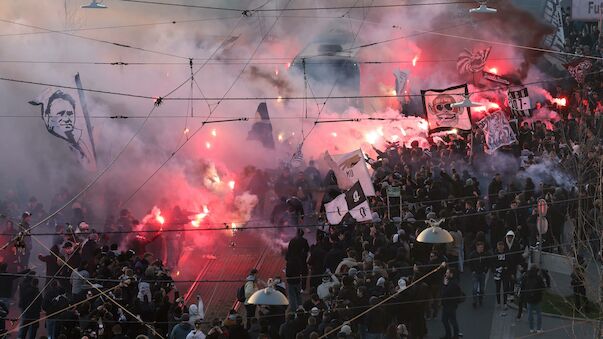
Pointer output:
336, 209
350, 168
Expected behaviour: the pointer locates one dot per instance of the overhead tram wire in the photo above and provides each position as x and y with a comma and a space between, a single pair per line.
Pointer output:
297, 9
88, 29
139, 96
210, 113
224, 225
122, 150
112, 43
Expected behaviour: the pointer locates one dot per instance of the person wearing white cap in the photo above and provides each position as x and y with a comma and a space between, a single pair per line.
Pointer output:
502, 274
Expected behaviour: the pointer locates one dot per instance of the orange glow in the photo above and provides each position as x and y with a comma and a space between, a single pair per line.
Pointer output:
199, 217
487, 107
186, 130
231, 184
414, 60
159, 218
371, 137
207, 145
233, 228
279, 99
214, 132
288, 65
562, 102
423, 125
334, 134
493, 70
393, 92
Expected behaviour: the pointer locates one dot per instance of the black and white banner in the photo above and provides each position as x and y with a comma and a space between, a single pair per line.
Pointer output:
470, 62
497, 131
350, 168
440, 114
353, 201
65, 115
519, 102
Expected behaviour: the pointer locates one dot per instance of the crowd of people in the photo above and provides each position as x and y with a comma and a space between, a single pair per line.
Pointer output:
351, 280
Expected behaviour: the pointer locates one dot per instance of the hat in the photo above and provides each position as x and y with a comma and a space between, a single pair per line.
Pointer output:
352, 272
510, 233
346, 329
67, 244
431, 215
314, 311
402, 330
184, 317
469, 182
381, 282
402, 284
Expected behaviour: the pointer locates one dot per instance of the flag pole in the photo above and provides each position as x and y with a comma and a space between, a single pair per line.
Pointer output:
80, 92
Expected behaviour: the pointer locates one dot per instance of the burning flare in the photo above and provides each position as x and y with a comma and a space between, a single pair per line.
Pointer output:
414, 60
561, 102
199, 217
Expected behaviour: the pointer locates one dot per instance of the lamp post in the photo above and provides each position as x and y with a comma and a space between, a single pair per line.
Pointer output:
268, 296
434, 234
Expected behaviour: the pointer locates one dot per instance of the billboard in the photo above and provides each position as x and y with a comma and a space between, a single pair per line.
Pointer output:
587, 10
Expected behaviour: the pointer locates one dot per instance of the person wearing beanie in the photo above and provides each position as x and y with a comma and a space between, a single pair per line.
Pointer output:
182, 330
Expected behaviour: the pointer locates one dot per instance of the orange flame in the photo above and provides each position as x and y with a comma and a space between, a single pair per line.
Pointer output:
214, 132
159, 218
231, 184
199, 217
207, 145
414, 60
493, 70
562, 102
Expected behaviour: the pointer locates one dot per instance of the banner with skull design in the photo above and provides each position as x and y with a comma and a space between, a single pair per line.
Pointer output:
64, 114
578, 69
497, 131
440, 114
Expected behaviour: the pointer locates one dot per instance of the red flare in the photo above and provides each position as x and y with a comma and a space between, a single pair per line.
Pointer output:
562, 102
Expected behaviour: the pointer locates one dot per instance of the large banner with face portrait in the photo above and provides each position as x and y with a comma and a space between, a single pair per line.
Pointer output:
440, 114
64, 114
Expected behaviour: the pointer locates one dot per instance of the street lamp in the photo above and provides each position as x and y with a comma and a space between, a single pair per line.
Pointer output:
268, 296
434, 234
483, 8
465, 103
95, 4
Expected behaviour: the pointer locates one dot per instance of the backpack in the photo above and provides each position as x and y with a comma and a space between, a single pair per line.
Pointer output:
241, 294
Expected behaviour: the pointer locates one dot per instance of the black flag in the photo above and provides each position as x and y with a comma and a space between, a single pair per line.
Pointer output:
262, 129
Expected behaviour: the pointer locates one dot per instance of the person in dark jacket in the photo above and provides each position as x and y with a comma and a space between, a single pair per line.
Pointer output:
181, 330
51, 261
533, 288
479, 262
502, 275
288, 329
451, 297
6, 283
30, 304
296, 267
